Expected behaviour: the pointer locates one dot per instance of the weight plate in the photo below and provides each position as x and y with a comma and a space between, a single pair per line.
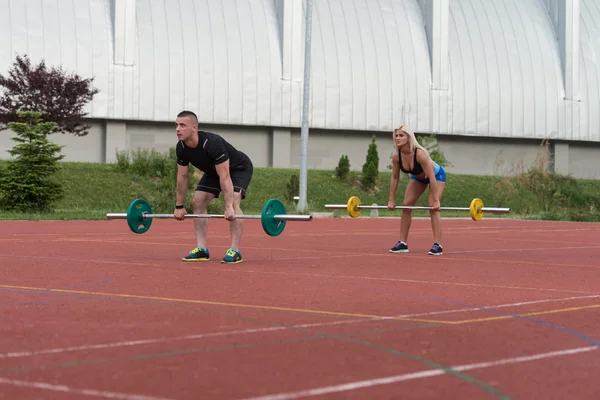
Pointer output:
135, 213
476, 209
352, 206
271, 226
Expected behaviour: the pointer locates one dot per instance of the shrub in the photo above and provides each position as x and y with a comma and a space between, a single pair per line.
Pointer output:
123, 162
539, 192
370, 169
26, 182
343, 167
159, 166
293, 187
369, 176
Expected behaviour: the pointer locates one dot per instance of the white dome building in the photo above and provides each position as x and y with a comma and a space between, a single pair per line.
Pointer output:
492, 78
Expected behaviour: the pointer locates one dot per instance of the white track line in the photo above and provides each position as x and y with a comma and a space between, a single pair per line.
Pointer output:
267, 329
418, 375
482, 285
83, 392
188, 337
523, 303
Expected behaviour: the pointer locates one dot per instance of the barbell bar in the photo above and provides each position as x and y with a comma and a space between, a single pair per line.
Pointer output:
273, 217
476, 208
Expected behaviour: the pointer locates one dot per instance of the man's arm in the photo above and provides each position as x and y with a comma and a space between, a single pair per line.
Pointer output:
182, 184
226, 184
215, 149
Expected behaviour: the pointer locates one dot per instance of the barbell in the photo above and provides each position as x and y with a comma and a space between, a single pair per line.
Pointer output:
476, 208
273, 216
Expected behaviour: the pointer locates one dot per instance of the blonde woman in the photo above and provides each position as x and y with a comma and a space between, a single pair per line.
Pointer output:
413, 159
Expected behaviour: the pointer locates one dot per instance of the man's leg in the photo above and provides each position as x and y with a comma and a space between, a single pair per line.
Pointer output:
236, 226
240, 180
200, 206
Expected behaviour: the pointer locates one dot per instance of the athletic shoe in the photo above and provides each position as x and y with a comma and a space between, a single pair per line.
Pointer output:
400, 247
436, 250
198, 254
232, 257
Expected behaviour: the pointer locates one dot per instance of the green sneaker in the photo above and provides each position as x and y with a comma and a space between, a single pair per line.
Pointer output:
198, 254
232, 257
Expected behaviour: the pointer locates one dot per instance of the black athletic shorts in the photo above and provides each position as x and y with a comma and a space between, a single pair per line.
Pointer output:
211, 183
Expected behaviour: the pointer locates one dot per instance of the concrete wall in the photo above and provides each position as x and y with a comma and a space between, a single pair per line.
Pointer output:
326, 147
254, 141
90, 148
280, 148
583, 160
108, 137
486, 156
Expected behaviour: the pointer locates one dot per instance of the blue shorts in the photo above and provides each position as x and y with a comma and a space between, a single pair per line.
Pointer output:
438, 170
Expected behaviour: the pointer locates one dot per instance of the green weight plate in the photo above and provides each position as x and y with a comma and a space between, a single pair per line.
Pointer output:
271, 226
135, 218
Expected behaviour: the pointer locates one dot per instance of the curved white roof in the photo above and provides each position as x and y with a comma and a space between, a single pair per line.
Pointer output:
500, 67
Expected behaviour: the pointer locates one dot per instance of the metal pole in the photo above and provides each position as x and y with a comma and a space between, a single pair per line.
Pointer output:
302, 201
497, 210
277, 217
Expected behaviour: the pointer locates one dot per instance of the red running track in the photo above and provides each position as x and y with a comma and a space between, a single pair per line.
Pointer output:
511, 310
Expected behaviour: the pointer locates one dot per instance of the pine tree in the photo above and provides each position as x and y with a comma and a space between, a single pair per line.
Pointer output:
370, 168
343, 168
26, 182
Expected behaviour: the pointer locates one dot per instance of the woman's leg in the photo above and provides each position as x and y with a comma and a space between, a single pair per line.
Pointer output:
436, 218
414, 190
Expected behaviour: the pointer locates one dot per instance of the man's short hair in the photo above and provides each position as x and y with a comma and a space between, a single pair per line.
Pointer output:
190, 114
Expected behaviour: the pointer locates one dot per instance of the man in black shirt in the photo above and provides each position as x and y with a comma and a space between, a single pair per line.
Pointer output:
225, 169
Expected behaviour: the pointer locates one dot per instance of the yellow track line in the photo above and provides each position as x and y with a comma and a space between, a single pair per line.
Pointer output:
214, 303
496, 318
297, 310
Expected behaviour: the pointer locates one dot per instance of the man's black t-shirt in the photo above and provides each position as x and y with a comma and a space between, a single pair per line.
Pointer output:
211, 150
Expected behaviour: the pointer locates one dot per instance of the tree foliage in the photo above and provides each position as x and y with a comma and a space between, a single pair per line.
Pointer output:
26, 182
370, 169
430, 143
59, 95
343, 168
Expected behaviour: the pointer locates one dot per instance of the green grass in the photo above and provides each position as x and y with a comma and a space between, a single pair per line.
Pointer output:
92, 190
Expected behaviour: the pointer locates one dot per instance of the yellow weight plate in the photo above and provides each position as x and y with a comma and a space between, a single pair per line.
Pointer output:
352, 207
476, 209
